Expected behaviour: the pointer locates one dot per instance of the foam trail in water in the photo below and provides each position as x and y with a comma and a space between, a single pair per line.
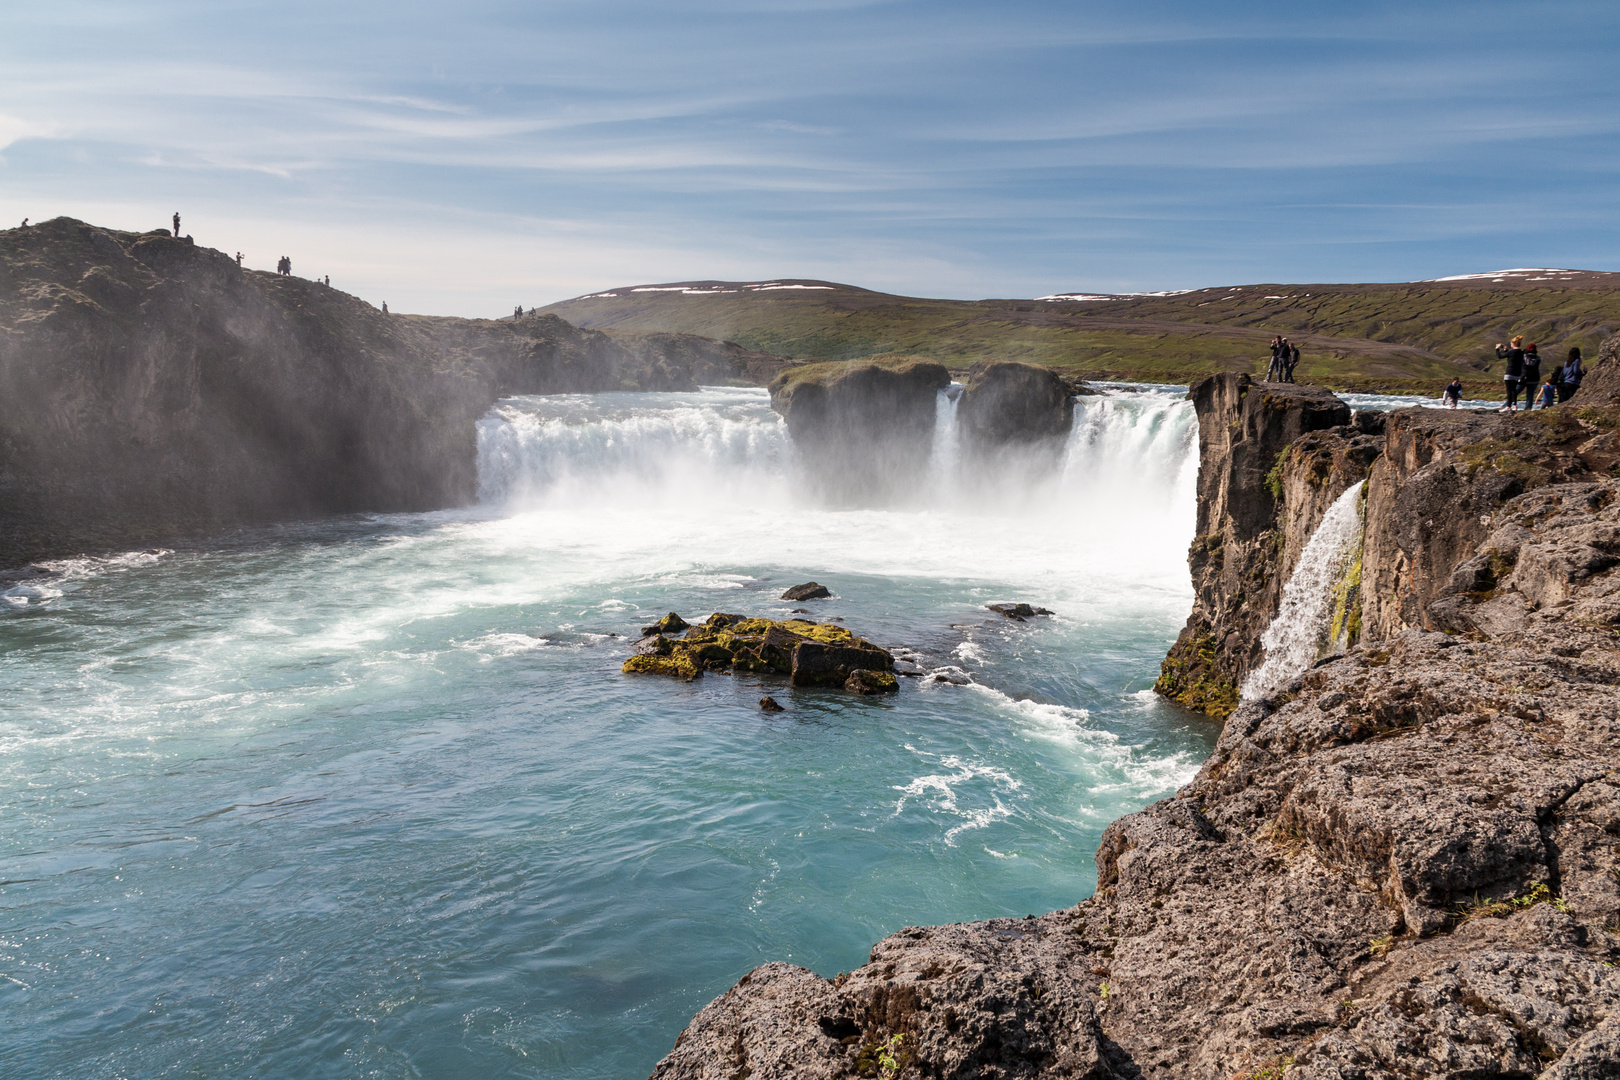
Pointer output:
1296, 637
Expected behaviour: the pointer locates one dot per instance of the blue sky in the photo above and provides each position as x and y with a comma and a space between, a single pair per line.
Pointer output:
461, 158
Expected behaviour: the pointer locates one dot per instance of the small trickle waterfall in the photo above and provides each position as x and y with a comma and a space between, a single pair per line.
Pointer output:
945, 459
1301, 632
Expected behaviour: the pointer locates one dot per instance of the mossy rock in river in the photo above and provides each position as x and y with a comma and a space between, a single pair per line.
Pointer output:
811, 654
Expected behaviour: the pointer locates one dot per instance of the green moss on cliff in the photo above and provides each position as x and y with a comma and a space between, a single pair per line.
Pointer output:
1188, 677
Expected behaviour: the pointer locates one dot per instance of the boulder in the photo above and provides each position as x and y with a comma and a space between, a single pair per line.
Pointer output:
1008, 402
866, 681
818, 664
769, 704
669, 624
808, 591
1017, 612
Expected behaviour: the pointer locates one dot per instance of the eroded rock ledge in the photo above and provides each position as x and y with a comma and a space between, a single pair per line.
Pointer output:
1406, 864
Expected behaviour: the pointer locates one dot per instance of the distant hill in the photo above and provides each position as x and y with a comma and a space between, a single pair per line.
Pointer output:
1411, 336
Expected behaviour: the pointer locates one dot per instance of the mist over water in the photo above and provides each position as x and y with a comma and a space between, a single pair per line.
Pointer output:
370, 797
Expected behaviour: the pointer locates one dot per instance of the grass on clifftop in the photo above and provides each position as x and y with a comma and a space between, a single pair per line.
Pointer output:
1393, 338
831, 371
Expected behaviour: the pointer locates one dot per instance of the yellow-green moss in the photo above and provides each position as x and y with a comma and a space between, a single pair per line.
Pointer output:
737, 643
1194, 683
678, 665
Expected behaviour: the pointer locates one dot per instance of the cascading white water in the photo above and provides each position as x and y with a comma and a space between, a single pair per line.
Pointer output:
945, 459
1116, 501
1296, 637
586, 448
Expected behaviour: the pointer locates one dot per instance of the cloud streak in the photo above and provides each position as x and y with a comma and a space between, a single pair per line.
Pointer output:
947, 148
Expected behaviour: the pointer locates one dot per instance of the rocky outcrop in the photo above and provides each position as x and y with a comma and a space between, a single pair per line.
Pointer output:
864, 428
1006, 402
149, 388
1406, 863
1272, 458
810, 654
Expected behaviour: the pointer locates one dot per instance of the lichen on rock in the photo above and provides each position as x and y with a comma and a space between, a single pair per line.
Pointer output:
809, 653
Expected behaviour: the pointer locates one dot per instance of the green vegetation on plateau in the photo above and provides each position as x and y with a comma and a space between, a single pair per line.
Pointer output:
1400, 338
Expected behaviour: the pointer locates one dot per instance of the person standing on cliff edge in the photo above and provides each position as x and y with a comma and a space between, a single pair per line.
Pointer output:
1574, 372
1513, 353
177, 224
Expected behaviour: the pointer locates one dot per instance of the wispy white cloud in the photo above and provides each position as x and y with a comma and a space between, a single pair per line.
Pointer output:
1061, 145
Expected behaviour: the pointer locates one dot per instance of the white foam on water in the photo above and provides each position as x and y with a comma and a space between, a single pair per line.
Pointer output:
1296, 637
946, 792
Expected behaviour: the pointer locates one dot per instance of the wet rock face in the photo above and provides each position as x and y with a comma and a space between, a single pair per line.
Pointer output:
1006, 402
864, 428
150, 388
1273, 458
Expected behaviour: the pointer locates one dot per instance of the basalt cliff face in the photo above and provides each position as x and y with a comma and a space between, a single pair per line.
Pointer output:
1272, 459
1406, 863
149, 388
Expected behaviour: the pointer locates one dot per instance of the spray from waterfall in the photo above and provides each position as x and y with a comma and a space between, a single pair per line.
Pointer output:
1304, 628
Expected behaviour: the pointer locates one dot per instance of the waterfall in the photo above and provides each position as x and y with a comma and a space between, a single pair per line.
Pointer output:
944, 459
1302, 630
1119, 494
569, 449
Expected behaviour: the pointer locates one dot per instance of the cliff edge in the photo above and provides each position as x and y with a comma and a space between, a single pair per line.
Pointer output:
1405, 863
150, 388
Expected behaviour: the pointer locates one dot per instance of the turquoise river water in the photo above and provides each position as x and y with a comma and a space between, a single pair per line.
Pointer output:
371, 798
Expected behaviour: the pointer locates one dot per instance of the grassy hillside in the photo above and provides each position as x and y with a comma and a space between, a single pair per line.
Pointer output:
1403, 337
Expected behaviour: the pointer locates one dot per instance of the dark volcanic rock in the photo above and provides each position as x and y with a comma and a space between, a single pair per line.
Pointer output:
151, 388
769, 704
818, 664
808, 591
864, 427
1006, 402
1017, 612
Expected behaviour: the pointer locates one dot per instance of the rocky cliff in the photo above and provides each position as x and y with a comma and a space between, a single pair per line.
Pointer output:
1405, 863
149, 387
864, 428
1272, 458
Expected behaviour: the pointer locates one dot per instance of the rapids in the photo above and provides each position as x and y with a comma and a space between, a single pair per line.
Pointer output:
370, 797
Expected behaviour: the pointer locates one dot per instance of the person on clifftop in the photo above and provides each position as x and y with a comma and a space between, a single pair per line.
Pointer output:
1293, 362
1452, 395
1574, 372
1272, 372
177, 224
1549, 393
1513, 353
385, 307
1532, 371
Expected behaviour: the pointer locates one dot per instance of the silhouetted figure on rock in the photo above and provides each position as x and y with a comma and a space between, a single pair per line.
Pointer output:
25, 223
177, 224
238, 260
385, 307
